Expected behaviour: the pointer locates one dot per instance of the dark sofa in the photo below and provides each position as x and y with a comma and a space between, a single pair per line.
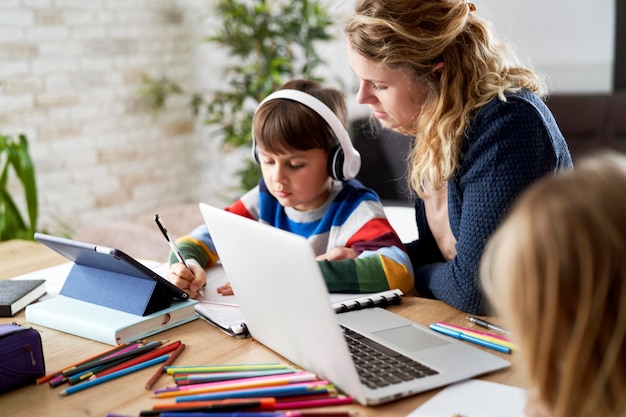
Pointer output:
591, 122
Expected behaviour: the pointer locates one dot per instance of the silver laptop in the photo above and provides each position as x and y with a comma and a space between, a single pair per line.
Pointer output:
285, 302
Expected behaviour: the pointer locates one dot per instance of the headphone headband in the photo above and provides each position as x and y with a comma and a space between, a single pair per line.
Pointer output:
351, 157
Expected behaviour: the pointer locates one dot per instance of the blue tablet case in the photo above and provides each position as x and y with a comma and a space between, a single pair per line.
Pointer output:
110, 278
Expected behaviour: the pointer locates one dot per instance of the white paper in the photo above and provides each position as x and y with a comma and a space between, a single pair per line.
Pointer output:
475, 398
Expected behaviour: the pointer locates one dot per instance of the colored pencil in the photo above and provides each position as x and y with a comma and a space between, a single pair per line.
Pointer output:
469, 338
339, 400
109, 377
224, 368
276, 392
223, 376
135, 352
264, 414
257, 404
58, 373
263, 381
500, 340
75, 379
164, 350
170, 360
264, 401
495, 336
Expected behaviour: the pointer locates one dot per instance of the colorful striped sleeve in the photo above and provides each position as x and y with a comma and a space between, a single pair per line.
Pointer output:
382, 263
373, 272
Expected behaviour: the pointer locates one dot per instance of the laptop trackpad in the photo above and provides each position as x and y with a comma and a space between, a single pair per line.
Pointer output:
410, 338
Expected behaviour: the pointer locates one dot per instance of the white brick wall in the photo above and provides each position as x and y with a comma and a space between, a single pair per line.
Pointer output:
70, 72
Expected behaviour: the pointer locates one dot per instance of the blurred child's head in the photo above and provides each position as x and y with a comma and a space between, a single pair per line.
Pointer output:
556, 272
293, 143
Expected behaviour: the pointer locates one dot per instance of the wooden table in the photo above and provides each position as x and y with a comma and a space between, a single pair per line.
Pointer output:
205, 345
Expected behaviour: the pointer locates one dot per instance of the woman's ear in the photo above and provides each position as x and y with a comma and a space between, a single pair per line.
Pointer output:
435, 71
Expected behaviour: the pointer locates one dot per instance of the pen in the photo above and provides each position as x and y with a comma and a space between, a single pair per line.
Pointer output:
173, 246
171, 242
487, 325
462, 336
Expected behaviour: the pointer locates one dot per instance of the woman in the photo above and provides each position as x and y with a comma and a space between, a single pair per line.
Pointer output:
556, 273
432, 69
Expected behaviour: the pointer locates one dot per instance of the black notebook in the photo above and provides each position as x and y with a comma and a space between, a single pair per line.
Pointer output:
16, 294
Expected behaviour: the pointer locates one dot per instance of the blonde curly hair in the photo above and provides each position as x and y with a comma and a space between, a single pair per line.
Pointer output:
415, 35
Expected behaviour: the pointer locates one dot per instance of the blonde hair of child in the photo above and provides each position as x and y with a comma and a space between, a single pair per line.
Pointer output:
556, 273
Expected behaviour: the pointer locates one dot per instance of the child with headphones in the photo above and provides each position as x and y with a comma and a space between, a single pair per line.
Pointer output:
308, 165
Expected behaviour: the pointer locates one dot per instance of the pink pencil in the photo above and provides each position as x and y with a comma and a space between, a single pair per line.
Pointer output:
495, 336
264, 381
322, 402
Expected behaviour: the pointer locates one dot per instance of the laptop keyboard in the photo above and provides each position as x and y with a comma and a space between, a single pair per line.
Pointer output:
379, 366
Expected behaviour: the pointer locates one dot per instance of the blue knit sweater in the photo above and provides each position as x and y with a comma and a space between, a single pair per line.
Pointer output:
507, 146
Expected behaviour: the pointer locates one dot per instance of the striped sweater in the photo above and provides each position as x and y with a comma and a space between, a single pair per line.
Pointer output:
352, 217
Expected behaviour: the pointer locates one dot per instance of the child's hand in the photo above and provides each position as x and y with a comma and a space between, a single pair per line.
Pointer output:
225, 289
337, 254
185, 280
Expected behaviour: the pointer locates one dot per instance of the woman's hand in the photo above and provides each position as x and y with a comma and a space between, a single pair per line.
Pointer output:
337, 254
182, 277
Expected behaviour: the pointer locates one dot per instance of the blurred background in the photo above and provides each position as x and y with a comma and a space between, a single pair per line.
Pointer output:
79, 80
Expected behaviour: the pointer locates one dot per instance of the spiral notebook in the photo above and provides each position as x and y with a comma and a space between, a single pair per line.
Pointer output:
224, 312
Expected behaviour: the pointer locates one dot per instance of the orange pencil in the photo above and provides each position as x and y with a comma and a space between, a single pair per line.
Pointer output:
140, 359
168, 362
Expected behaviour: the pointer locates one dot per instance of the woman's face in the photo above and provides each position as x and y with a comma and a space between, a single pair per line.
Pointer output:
394, 96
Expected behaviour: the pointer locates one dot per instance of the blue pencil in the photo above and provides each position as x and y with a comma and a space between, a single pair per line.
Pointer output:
274, 391
114, 375
459, 335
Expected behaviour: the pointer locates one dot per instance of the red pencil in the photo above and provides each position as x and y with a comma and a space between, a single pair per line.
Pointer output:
113, 358
139, 359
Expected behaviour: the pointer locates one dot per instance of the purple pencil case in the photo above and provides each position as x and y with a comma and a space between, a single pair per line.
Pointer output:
21, 356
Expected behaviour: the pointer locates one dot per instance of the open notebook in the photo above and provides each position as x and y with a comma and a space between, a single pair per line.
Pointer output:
225, 313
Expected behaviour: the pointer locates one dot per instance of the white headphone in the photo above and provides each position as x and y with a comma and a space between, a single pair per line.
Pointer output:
344, 161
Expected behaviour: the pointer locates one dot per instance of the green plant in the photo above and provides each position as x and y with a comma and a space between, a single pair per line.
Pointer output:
15, 157
273, 41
